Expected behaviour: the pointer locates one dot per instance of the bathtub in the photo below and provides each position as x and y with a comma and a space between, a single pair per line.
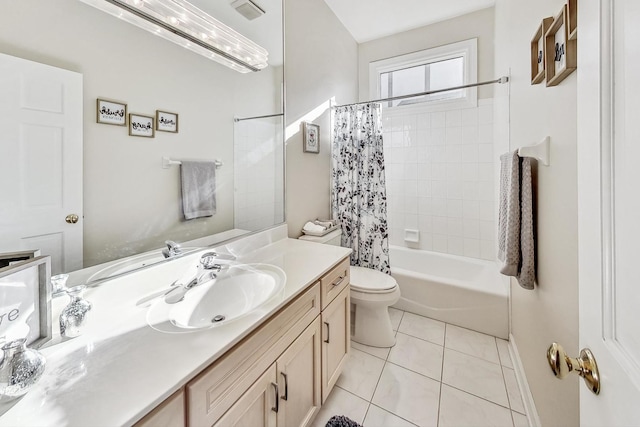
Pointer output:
466, 292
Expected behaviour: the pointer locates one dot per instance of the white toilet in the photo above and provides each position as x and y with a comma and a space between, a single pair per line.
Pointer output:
372, 292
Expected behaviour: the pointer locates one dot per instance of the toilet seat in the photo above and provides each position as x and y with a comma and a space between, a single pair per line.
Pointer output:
370, 281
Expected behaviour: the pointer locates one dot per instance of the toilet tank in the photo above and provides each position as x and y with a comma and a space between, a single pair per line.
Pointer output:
332, 238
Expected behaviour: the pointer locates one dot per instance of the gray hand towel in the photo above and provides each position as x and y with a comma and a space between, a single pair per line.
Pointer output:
516, 247
198, 188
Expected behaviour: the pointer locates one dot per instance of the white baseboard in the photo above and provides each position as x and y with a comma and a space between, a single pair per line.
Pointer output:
527, 397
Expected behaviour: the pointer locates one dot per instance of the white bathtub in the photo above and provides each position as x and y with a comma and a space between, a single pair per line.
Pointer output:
467, 292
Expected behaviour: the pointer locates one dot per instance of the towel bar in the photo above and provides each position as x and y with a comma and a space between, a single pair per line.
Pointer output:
167, 163
539, 151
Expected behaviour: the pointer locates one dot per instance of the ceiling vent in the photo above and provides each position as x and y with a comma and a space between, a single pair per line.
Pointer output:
248, 9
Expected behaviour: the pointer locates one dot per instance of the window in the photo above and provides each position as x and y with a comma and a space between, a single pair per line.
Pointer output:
432, 69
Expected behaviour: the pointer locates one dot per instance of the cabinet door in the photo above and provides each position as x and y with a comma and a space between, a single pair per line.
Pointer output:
336, 340
169, 413
257, 407
299, 379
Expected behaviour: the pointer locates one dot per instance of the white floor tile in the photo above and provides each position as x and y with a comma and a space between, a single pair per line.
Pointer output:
360, 374
476, 376
409, 395
519, 420
341, 402
513, 391
472, 343
381, 352
417, 355
396, 317
378, 417
460, 409
423, 328
503, 351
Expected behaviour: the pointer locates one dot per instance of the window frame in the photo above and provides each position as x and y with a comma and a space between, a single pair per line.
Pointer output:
467, 49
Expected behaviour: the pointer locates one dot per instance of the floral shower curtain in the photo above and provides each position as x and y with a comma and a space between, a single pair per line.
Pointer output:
358, 192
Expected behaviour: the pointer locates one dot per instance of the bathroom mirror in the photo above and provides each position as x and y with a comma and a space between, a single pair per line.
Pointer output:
131, 197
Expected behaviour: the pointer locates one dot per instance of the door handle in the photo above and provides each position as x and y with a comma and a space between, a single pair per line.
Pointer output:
72, 218
585, 365
277, 407
286, 386
328, 332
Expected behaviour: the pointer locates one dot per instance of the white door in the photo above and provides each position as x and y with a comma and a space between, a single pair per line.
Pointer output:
41, 161
609, 206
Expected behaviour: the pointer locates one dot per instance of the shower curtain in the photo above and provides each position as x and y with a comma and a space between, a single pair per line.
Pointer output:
358, 192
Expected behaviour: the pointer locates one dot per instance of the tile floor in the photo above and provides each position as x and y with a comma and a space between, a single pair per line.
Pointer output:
437, 374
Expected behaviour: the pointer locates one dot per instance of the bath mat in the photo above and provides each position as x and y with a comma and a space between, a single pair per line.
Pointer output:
341, 421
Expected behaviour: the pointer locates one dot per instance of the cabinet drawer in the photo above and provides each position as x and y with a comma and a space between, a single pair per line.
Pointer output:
218, 387
334, 282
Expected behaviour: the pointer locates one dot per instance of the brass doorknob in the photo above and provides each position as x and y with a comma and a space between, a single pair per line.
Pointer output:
72, 218
585, 366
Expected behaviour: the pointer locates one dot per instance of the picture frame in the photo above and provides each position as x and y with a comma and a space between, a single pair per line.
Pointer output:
538, 52
572, 11
166, 121
111, 112
561, 53
11, 258
141, 125
25, 303
311, 138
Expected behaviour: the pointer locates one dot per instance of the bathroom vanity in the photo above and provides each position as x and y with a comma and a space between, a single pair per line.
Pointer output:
273, 366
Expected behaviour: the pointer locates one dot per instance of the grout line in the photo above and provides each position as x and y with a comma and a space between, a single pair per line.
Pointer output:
394, 414
416, 372
471, 355
479, 397
441, 375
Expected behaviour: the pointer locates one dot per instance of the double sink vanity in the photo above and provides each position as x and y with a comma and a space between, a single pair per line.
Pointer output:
262, 344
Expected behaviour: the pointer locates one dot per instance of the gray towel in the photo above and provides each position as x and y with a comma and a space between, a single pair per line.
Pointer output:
515, 220
198, 188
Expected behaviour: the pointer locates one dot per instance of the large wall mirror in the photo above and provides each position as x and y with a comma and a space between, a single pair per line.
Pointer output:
130, 200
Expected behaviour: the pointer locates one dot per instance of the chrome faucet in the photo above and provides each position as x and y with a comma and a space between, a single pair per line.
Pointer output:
208, 269
173, 249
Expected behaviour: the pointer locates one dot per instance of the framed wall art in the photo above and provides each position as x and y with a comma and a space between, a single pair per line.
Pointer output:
311, 138
111, 112
561, 53
538, 58
25, 302
166, 122
141, 125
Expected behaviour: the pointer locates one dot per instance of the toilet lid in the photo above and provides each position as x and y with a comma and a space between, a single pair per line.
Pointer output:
369, 280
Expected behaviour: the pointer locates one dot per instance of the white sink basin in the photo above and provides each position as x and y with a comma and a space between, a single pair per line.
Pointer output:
236, 292
130, 264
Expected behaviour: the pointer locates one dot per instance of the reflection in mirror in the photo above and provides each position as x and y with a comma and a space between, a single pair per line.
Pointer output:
56, 160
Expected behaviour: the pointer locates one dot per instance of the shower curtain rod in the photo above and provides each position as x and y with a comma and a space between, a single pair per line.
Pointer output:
501, 80
239, 119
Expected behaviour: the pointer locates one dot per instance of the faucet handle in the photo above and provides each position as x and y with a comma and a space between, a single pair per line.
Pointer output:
208, 260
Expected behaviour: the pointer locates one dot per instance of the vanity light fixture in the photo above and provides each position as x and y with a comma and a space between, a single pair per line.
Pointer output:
184, 24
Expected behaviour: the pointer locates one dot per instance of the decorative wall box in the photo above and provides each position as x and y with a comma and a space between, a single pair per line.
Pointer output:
572, 6
561, 53
538, 58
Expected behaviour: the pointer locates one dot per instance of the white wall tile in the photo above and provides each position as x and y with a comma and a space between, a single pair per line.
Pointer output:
454, 189
454, 208
438, 136
454, 136
455, 227
469, 116
485, 153
472, 229
440, 243
469, 153
423, 121
455, 245
453, 118
472, 248
438, 119
470, 172
470, 209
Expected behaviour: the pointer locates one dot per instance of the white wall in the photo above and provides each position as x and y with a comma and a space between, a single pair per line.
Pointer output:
478, 24
320, 65
130, 202
550, 312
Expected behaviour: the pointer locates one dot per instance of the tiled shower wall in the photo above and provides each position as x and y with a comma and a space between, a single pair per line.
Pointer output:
258, 173
440, 169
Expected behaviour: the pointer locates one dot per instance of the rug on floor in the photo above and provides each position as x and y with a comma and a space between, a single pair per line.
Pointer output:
341, 421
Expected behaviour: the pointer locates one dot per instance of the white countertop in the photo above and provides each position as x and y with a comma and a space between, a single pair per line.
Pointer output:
121, 368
